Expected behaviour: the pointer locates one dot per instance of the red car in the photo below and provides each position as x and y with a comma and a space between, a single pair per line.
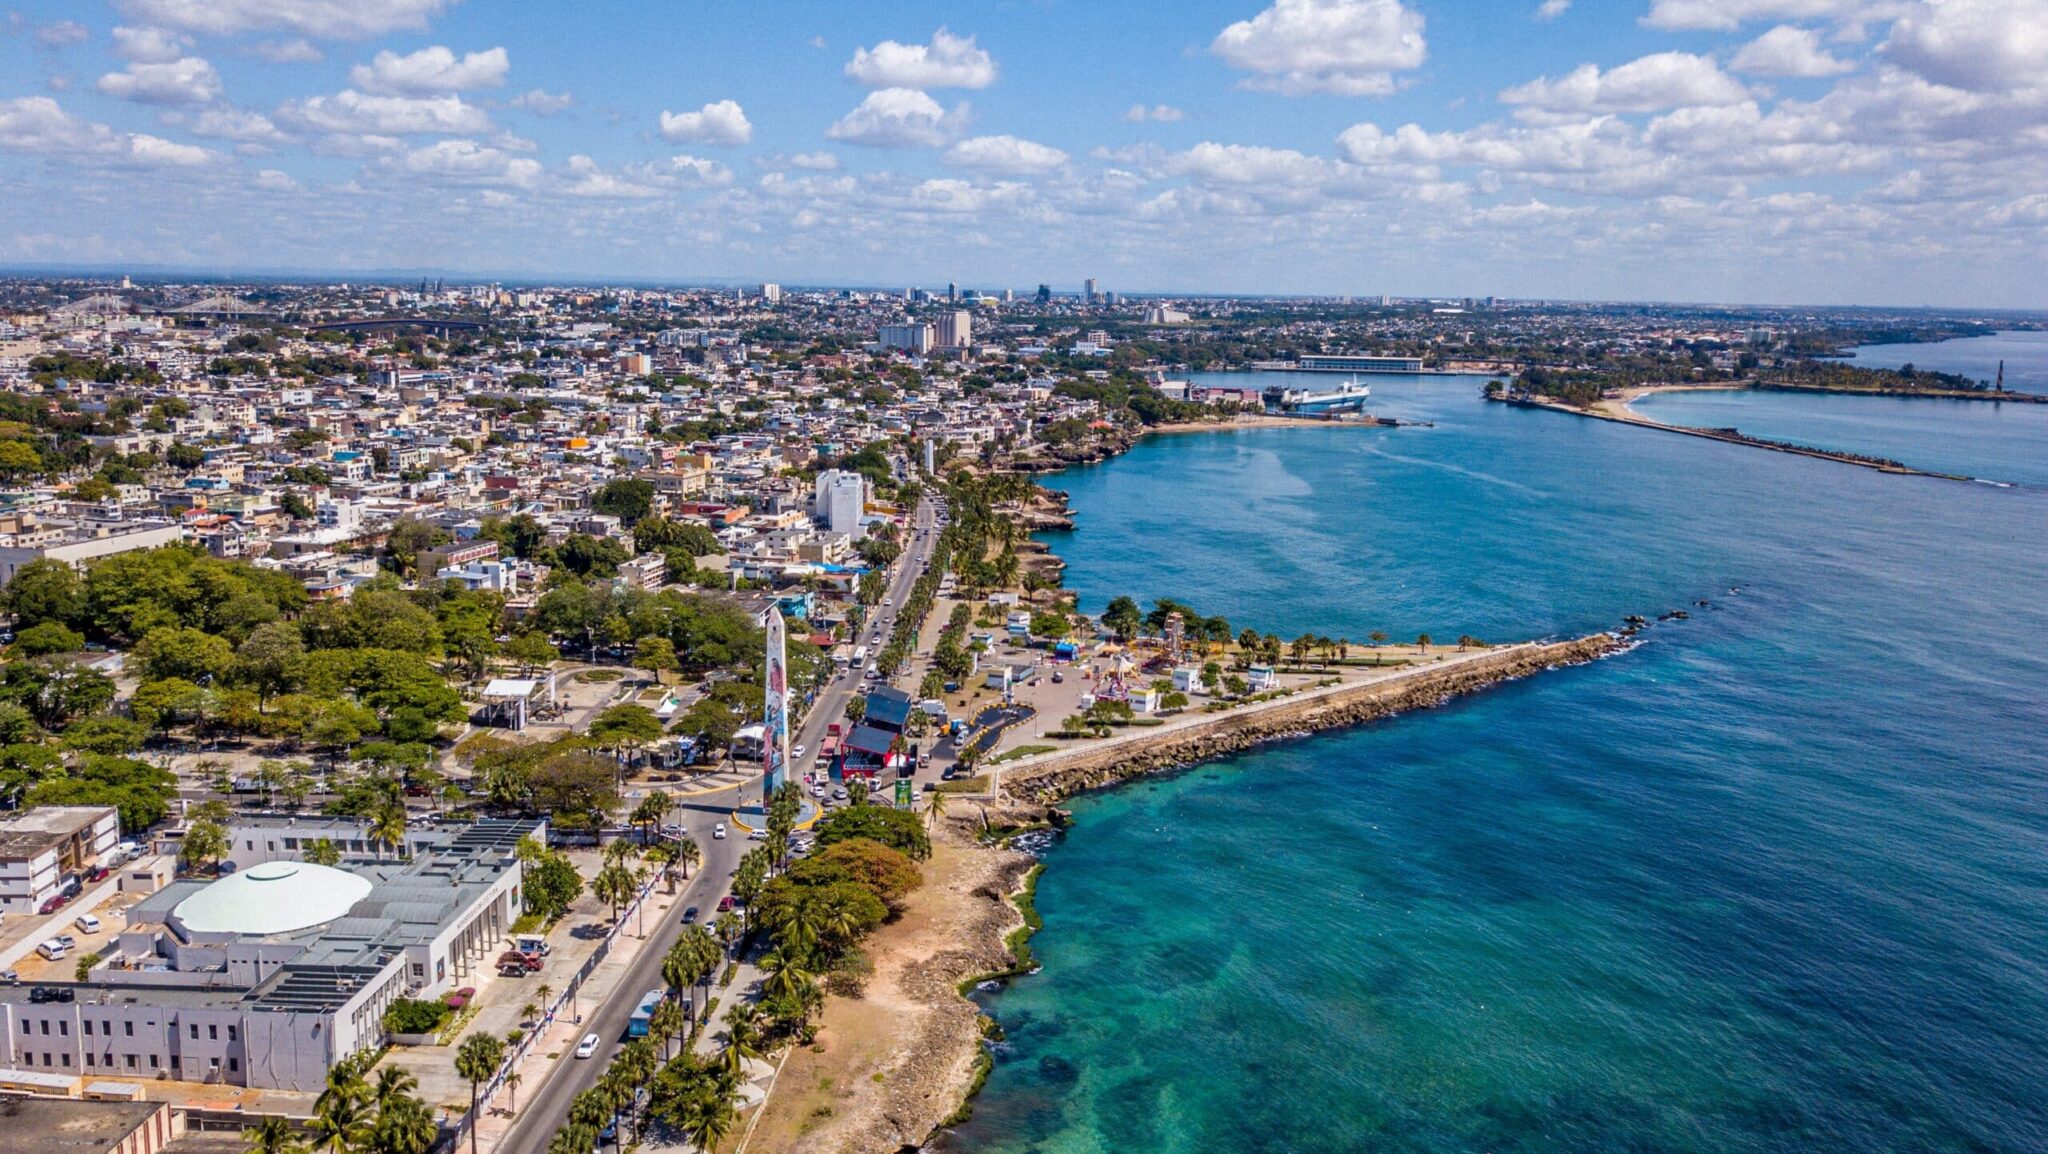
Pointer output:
724, 904
55, 904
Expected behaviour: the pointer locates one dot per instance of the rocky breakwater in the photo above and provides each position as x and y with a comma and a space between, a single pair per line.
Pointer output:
1032, 787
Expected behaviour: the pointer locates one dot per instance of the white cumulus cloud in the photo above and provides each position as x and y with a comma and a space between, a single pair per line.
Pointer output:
1552, 9
1004, 154
272, 180
328, 19
1662, 80
719, 122
1788, 51
898, 118
541, 102
949, 61
1974, 45
350, 111
816, 161
1347, 47
468, 162
38, 125
435, 69
149, 45
1163, 113
188, 80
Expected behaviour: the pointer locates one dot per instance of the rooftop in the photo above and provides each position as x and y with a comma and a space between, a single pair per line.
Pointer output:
273, 898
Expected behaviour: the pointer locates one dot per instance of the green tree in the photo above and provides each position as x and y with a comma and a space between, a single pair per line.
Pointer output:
628, 499
273, 1135
476, 1060
46, 638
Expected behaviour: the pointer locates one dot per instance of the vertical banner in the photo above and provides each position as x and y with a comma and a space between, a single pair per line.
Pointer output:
775, 710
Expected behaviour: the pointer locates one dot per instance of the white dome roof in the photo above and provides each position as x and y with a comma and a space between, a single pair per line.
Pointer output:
273, 898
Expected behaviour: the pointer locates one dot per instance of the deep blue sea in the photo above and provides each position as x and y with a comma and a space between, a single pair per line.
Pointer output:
1775, 880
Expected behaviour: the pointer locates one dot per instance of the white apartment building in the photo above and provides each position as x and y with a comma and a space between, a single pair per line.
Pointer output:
841, 500
41, 847
915, 339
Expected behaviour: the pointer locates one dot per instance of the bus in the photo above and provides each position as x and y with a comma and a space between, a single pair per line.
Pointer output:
643, 1014
860, 656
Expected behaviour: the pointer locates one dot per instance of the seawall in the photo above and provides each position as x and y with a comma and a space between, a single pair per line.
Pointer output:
1045, 780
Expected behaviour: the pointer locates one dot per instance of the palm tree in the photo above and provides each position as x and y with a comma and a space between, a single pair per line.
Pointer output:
784, 972
406, 1126
667, 1023
530, 1013
393, 1083
649, 813
742, 1037
1422, 642
341, 1119
709, 1119
512, 1080
273, 1135
663, 854
387, 826
476, 1060
937, 809
689, 853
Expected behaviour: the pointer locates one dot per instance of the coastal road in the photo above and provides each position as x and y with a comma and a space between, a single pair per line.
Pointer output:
549, 1104
543, 1113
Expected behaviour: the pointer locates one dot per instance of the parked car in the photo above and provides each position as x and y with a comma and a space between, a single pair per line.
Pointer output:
69, 942
53, 950
757, 835
587, 1047
10, 977
87, 924
725, 904
54, 904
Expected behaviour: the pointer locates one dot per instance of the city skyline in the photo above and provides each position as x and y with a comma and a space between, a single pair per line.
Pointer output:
1823, 151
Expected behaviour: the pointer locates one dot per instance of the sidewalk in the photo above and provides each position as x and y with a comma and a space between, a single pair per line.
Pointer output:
554, 1041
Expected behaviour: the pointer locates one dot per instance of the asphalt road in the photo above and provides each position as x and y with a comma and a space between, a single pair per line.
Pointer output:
548, 1105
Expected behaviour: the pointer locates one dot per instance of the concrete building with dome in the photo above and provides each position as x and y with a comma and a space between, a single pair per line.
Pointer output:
267, 976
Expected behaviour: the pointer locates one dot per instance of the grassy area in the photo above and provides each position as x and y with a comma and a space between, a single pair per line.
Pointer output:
600, 676
1020, 752
976, 784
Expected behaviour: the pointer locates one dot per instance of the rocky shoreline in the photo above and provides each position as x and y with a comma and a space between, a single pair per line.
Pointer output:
948, 1043
1031, 789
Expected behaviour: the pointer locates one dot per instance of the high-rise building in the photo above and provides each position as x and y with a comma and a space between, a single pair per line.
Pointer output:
952, 291
840, 500
1089, 289
955, 329
771, 292
1045, 294
1009, 295
916, 339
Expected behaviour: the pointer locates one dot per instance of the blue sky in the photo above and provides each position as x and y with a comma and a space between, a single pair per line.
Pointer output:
1853, 151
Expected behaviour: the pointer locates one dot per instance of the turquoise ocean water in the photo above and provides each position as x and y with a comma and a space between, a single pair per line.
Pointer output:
1776, 880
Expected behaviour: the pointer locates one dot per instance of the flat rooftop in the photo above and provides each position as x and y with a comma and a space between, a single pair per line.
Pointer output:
68, 1125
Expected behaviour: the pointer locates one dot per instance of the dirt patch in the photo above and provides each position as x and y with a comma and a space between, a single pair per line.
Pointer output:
890, 1066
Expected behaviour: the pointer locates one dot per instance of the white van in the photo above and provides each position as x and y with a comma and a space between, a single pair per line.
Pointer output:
53, 950
87, 924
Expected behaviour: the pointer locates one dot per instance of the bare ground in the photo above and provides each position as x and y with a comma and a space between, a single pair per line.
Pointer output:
890, 1066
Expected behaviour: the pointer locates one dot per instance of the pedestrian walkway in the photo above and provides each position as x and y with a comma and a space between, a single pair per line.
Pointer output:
556, 1039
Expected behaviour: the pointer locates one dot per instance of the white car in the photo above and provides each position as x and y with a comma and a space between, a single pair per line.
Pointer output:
796, 752
587, 1047
757, 835
718, 831
87, 924
53, 949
